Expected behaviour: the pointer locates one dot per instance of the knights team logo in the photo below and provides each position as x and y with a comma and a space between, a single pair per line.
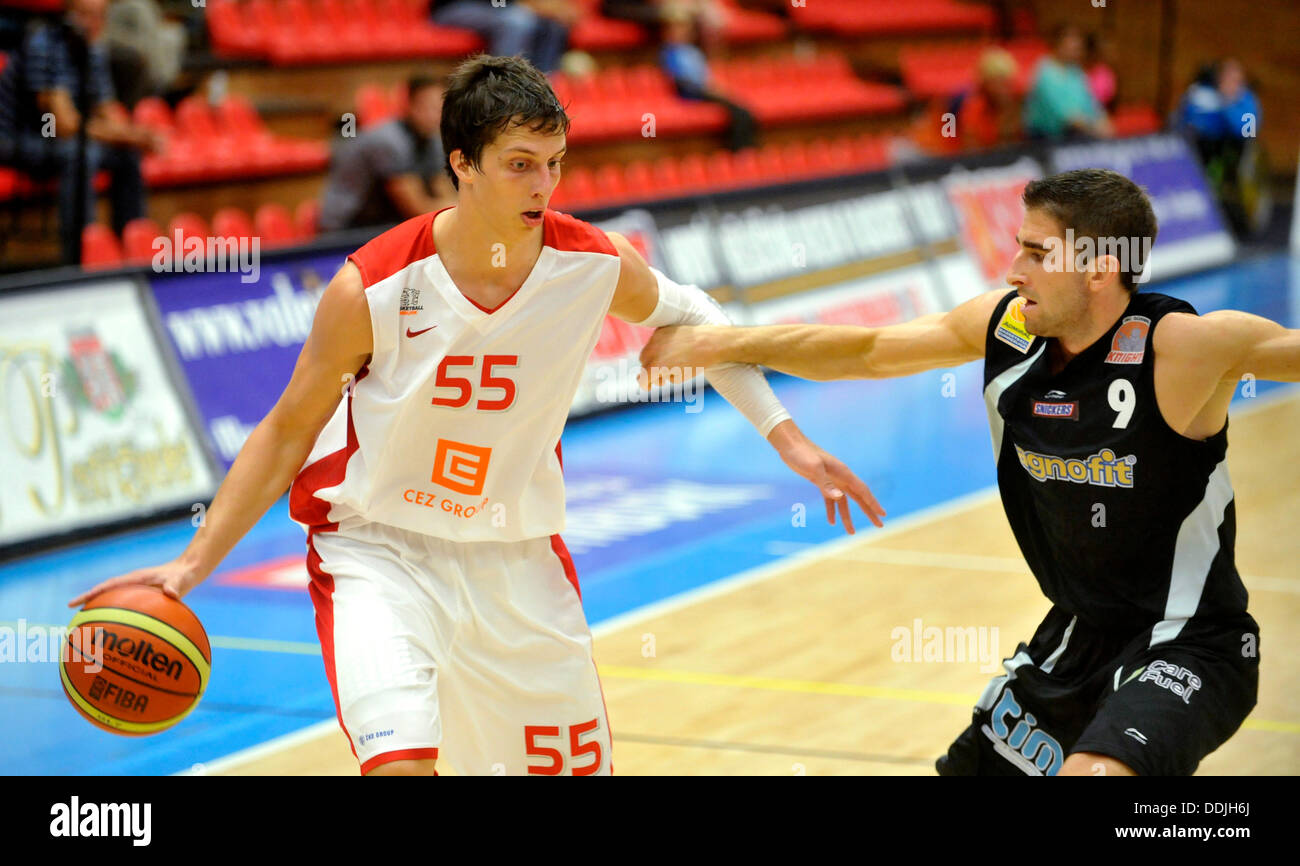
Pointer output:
410, 302
1129, 344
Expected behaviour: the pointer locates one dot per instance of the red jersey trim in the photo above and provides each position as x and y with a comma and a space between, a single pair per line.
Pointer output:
563, 232
304, 505
388, 253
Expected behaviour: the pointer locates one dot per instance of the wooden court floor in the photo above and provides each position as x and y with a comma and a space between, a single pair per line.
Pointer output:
794, 671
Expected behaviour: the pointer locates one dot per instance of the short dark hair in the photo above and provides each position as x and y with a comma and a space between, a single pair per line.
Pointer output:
1097, 203
418, 82
487, 95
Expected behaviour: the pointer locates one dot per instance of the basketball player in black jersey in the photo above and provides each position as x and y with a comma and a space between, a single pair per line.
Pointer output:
1108, 409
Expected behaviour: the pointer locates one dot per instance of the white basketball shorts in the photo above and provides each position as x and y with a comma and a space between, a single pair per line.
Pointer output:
478, 652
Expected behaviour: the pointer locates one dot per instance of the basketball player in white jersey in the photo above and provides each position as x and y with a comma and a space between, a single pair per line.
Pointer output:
421, 433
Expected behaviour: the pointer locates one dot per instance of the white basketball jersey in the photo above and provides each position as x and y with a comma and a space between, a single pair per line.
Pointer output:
453, 427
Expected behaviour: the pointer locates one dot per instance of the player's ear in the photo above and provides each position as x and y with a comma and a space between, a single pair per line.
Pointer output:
1104, 272
460, 164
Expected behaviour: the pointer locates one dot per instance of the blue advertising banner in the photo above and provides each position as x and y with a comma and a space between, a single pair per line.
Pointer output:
1192, 232
237, 341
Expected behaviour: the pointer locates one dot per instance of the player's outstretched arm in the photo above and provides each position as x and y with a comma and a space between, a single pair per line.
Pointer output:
824, 352
337, 347
647, 297
1250, 344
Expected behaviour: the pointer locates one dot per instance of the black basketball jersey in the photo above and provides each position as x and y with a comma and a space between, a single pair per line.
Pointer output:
1126, 523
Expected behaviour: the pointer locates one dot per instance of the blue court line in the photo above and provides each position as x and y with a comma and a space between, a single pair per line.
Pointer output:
915, 447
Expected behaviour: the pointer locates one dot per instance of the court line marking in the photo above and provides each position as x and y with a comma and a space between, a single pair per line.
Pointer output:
973, 562
731, 746
281, 743
781, 684
757, 575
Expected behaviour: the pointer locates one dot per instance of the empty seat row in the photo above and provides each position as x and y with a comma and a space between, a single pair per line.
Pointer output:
695, 174
272, 223
224, 142
294, 32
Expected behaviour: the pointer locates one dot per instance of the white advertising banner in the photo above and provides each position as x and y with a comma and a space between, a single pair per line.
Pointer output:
93, 429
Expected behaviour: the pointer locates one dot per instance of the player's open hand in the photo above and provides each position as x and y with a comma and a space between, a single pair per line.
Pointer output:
174, 578
836, 482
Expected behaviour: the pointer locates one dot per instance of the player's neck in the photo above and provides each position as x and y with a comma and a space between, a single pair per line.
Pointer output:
475, 252
1096, 321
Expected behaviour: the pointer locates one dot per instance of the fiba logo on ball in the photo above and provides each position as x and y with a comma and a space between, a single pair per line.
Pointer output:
155, 660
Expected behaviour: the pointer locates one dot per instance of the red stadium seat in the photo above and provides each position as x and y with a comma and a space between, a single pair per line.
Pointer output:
667, 176
1135, 119
374, 105
231, 222
190, 225
594, 32
610, 186
578, 187
154, 113
870, 153
771, 164
137, 240
694, 169
721, 173
745, 167
99, 248
641, 180
306, 219
274, 225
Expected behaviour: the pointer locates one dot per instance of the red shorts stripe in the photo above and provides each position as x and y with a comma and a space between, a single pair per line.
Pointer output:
557, 545
400, 755
322, 599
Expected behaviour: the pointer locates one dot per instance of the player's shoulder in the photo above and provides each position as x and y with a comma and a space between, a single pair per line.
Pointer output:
566, 233
1178, 327
387, 253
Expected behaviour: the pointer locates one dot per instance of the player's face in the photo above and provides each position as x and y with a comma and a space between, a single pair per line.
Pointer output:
518, 173
1055, 296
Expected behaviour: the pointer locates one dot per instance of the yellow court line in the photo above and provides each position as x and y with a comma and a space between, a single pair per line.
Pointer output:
784, 685
813, 687
697, 678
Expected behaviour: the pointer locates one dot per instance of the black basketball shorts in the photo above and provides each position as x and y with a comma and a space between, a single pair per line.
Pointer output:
1074, 688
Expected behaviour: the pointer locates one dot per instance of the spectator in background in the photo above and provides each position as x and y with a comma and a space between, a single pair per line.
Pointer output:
1219, 108
680, 24
40, 120
706, 16
1221, 114
145, 50
1060, 104
535, 29
1101, 73
393, 171
989, 114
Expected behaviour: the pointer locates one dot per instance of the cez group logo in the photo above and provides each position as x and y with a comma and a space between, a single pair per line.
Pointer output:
461, 467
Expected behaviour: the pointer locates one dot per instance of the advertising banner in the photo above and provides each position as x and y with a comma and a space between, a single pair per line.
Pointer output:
94, 428
1192, 233
237, 342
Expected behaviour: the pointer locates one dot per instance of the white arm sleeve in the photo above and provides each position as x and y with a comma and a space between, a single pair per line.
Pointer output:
742, 385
